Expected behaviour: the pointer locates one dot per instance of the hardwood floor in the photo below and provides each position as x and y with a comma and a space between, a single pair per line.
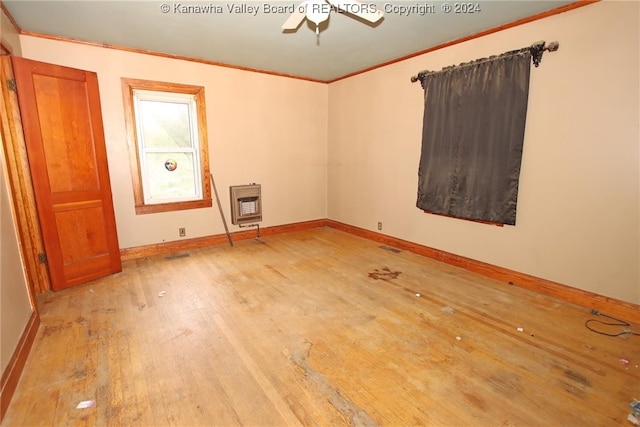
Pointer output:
318, 327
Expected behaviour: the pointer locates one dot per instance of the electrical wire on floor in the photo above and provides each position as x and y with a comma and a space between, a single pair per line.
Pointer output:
618, 322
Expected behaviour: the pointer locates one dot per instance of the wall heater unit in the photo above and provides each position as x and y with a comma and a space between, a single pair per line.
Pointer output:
246, 204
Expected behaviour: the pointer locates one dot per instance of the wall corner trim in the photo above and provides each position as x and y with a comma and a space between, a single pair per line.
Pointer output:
624, 310
590, 300
11, 374
200, 242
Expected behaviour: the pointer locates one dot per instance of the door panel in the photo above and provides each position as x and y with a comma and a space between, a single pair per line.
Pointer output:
64, 136
64, 139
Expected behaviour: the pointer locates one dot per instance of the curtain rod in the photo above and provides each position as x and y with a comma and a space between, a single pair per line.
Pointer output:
536, 49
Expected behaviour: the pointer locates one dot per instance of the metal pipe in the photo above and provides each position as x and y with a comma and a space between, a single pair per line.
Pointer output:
224, 221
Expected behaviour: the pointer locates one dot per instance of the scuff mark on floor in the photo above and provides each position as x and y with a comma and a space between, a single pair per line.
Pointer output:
390, 249
177, 255
358, 417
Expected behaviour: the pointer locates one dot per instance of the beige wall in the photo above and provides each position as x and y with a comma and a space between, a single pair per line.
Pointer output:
15, 305
261, 128
349, 151
578, 216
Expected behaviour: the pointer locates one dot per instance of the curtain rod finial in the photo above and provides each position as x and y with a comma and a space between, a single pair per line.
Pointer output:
538, 45
538, 48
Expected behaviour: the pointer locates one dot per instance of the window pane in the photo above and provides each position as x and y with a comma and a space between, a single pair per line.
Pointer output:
165, 124
170, 176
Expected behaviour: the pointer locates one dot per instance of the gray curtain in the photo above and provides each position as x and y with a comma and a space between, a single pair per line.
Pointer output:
472, 138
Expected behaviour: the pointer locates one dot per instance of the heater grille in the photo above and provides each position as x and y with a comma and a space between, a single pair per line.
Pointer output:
246, 203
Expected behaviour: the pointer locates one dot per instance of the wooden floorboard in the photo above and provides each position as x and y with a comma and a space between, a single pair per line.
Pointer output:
318, 327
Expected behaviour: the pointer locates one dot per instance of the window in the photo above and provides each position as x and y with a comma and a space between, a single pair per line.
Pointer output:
167, 145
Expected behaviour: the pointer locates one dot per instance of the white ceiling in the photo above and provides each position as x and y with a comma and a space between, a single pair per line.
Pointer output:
239, 37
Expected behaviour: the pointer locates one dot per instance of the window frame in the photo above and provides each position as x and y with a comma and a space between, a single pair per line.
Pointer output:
128, 88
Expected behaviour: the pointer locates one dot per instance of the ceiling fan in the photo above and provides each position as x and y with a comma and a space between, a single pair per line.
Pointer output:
317, 11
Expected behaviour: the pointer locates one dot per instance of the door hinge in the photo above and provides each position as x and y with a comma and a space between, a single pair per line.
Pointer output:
42, 258
11, 85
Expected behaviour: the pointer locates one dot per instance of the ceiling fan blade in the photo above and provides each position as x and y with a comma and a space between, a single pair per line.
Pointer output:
368, 12
296, 18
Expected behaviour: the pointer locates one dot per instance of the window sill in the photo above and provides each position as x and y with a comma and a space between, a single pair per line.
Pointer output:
169, 207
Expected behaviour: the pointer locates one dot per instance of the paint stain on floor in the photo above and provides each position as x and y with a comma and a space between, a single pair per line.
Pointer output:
384, 273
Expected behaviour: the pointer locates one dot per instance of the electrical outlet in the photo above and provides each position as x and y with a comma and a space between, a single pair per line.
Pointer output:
379, 226
182, 232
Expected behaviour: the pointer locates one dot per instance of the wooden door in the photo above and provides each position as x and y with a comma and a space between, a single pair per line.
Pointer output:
63, 131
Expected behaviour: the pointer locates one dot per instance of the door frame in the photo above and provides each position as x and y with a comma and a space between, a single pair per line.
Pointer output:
22, 193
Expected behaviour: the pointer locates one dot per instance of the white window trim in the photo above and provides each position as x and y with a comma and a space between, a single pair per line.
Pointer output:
181, 98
